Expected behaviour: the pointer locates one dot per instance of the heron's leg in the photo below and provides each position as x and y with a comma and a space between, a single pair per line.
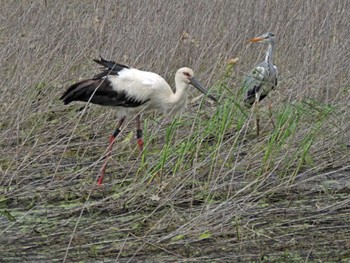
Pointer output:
270, 115
139, 133
257, 118
109, 150
256, 108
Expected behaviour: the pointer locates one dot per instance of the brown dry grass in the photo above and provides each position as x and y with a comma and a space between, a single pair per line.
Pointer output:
228, 196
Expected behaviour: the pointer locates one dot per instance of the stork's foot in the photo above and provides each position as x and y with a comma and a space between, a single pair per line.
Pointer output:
103, 169
109, 150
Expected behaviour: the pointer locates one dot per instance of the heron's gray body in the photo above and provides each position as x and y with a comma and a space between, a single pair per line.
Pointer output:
263, 78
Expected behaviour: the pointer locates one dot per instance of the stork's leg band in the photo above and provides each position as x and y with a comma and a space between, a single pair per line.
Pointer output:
138, 134
116, 132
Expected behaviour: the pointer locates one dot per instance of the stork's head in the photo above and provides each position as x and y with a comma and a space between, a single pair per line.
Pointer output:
186, 75
267, 37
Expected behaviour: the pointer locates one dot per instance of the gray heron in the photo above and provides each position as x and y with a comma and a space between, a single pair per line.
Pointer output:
262, 78
131, 92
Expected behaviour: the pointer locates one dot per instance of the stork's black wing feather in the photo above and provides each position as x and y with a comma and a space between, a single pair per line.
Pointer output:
98, 91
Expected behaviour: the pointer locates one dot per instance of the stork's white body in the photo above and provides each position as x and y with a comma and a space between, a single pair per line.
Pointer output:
150, 87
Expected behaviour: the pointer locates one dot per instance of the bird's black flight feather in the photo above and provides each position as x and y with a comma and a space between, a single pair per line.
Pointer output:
99, 90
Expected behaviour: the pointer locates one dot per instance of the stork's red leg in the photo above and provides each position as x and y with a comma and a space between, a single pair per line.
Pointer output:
139, 133
109, 150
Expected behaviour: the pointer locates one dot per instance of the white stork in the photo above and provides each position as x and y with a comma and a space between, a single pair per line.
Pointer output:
131, 92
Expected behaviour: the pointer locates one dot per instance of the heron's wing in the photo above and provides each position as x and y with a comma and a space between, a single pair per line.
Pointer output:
253, 83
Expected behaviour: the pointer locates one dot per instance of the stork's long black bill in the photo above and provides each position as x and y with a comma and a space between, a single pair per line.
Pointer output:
201, 88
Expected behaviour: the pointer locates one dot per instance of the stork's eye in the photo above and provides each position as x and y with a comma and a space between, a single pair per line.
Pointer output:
187, 74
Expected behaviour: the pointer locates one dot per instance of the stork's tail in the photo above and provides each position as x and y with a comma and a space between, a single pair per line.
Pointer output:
111, 65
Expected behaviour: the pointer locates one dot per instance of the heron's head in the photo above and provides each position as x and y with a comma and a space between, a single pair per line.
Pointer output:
267, 37
186, 75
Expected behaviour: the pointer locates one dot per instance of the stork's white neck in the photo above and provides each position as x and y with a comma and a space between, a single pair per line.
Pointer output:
178, 100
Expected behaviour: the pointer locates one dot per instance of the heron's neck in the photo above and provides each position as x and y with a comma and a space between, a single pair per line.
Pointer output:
269, 52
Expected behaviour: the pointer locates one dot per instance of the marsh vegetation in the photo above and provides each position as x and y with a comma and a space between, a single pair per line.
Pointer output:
205, 188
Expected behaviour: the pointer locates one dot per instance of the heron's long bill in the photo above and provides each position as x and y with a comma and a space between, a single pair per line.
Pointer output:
200, 87
256, 39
